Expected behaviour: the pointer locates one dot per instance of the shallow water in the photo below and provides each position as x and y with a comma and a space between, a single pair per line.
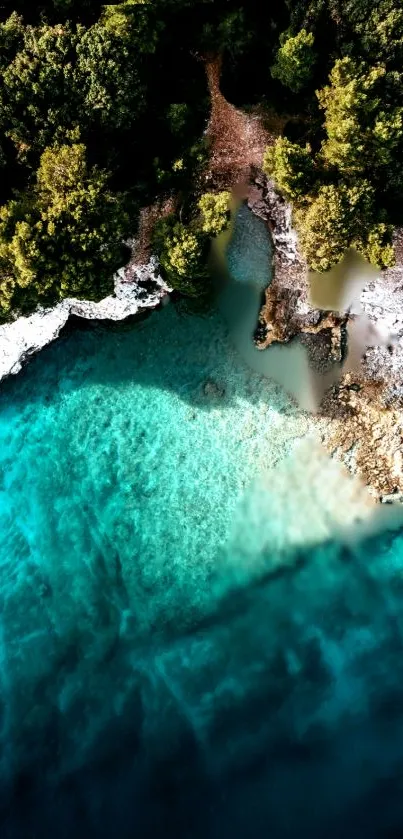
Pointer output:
145, 688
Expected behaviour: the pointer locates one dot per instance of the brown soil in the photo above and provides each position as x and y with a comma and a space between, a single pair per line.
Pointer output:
148, 216
237, 143
238, 140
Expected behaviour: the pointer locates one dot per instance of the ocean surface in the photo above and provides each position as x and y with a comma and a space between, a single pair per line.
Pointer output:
172, 664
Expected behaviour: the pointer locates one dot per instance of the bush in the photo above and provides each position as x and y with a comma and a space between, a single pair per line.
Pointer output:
214, 208
295, 60
182, 252
63, 238
183, 249
291, 167
339, 217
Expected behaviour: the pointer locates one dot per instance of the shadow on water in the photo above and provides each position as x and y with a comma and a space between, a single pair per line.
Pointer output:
204, 359
167, 349
274, 717
187, 354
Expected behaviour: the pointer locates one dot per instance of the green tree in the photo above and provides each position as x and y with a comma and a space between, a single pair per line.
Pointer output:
364, 131
339, 217
373, 28
125, 18
183, 248
39, 95
182, 251
291, 167
63, 238
11, 39
107, 73
215, 213
295, 60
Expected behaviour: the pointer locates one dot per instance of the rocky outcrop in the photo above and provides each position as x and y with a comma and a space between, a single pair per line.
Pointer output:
287, 312
268, 205
137, 288
361, 417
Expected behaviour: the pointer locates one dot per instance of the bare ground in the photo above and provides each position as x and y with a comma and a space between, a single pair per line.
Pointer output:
237, 140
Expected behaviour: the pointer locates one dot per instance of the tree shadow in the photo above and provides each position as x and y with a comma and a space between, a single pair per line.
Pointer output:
265, 758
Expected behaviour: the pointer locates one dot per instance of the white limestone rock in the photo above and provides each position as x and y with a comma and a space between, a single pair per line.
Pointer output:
137, 288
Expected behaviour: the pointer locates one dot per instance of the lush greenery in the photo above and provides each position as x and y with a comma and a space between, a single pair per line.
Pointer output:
183, 248
345, 173
295, 60
103, 108
62, 236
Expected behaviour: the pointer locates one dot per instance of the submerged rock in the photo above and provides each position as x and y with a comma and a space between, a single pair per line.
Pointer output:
137, 288
213, 390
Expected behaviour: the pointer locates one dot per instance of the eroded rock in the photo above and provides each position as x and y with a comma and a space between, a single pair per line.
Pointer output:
137, 288
362, 417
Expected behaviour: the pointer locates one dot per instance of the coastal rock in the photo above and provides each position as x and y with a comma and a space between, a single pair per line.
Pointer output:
361, 419
283, 320
287, 311
137, 288
268, 205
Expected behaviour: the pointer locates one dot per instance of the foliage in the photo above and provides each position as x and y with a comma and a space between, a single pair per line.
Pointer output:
64, 237
183, 248
88, 89
39, 85
338, 217
291, 168
364, 130
182, 252
11, 38
295, 60
177, 116
214, 208
113, 95
117, 17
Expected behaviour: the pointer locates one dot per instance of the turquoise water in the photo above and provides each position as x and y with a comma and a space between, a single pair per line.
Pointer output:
165, 669
124, 458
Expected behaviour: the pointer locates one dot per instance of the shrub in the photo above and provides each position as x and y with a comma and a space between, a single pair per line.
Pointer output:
214, 208
63, 237
291, 168
182, 252
183, 249
295, 60
339, 217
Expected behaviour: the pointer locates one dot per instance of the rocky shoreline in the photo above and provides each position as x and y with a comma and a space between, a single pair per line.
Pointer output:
137, 288
361, 418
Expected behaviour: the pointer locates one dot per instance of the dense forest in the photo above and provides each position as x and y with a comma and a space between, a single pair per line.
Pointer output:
103, 111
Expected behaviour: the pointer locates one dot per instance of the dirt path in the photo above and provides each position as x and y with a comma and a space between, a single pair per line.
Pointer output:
238, 140
237, 144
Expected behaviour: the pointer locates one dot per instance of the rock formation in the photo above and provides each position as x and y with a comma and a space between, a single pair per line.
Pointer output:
362, 417
137, 288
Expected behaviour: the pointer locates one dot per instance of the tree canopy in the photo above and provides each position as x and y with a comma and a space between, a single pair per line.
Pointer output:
103, 110
346, 185
63, 237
